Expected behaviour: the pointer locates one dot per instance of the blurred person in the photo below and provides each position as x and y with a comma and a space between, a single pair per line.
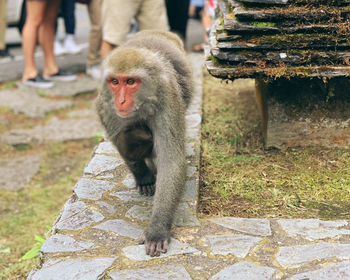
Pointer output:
117, 16
67, 12
93, 67
177, 11
195, 9
40, 24
207, 14
3, 50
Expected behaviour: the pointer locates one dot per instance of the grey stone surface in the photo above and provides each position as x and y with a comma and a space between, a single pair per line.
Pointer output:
129, 181
190, 149
101, 164
17, 172
29, 103
81, 85
55, 131
121, 227
92, 189
109, 208
338, 271
245, 270
64, 243
173, 272
138, 252
193, 120
77, 215
193, 133
77, 269
183, 215
313, 229
295, 256
251, 226
66, 89
190, 190
236, 244
191, 170
132, 195
106, 148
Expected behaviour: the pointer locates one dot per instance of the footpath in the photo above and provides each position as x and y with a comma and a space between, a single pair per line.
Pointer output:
96, 235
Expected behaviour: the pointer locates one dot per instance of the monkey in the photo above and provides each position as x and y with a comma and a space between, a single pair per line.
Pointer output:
147, 87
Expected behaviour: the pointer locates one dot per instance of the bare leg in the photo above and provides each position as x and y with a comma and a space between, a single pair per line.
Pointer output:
35, 13
47, 36
106, 48
206, 22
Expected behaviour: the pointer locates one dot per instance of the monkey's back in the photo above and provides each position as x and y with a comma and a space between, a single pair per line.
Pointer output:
170, 46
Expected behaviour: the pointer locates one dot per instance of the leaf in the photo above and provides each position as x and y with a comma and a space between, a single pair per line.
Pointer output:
40, 239
35, 251
32, 253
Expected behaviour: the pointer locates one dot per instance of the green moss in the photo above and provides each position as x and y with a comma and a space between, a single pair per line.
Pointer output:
262, 24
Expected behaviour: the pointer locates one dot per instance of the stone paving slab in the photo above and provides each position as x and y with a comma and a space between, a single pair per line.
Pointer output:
56, 130
251, 226
63, 243
83, 84
107, 211
236, 244
295, 256
338, 271
121, 227
29, 103
17, 172
175, 272
313, 229
245, 270
77, 269
138, 252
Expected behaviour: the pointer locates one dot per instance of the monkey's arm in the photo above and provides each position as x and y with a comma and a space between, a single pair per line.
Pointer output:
171, 176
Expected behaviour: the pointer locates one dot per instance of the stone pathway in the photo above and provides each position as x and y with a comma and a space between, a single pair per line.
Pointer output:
96, 234
16, 173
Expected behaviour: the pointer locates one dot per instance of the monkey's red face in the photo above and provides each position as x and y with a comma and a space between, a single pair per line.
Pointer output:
124, 88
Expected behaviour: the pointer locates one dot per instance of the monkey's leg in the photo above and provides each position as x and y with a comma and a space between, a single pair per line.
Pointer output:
145, 178
135, 146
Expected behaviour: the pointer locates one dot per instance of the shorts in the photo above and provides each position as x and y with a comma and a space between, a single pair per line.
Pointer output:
117, 16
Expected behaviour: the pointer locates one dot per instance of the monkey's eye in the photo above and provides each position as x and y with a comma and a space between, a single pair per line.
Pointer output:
130, 81
114, 81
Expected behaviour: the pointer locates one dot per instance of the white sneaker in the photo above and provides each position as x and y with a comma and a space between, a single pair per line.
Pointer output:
94, 71
58, 49
70, 45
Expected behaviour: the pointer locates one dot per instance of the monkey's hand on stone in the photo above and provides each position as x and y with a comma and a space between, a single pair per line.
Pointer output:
155, 242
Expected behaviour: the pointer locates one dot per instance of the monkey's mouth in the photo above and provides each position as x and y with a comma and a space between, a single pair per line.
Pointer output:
124, 112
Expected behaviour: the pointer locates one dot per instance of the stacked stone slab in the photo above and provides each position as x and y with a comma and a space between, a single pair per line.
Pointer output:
274, 38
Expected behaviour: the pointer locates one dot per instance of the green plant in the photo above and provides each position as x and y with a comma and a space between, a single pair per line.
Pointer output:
35, 251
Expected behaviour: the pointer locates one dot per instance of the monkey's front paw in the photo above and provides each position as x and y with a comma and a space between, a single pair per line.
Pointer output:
154, 247
147, 190
146, 185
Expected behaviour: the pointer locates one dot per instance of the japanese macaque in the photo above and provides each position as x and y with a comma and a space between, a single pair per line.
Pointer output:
146, 90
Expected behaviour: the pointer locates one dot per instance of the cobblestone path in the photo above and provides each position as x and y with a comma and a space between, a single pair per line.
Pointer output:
95, 237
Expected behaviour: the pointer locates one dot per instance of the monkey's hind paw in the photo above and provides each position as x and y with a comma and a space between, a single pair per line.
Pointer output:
147, 190
154, 248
